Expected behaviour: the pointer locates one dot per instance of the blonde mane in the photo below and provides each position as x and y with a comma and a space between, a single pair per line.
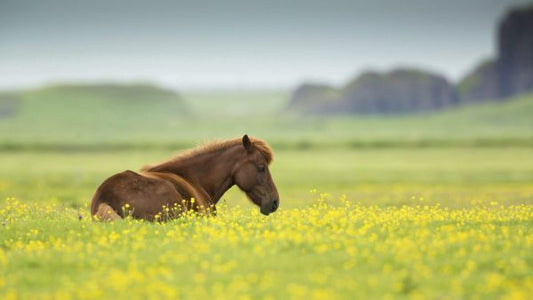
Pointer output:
212, 147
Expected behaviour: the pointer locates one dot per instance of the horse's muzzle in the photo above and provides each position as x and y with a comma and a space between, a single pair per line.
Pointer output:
275, 205
270, 207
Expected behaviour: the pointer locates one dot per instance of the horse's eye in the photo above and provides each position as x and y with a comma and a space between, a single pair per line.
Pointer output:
261, 168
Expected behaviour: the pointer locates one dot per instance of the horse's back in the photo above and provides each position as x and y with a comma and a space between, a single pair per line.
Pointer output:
130, 193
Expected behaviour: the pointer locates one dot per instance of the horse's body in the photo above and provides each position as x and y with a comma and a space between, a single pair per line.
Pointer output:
194, 180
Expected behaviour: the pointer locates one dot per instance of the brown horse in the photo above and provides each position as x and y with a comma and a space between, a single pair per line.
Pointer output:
193, 180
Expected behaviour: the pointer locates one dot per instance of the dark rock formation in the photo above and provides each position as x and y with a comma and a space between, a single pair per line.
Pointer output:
515, 60
314, 98
481, 84
512, 71
400, 91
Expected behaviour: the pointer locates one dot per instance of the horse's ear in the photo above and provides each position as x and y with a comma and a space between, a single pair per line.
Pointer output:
247, 143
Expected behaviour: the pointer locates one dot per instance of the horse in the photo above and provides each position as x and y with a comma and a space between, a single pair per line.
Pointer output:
192, 181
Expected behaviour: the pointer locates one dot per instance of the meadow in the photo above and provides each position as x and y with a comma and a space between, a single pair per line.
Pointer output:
322, 251
419, 207
64, 118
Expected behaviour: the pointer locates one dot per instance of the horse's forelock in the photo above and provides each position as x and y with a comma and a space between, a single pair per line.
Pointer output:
263, 147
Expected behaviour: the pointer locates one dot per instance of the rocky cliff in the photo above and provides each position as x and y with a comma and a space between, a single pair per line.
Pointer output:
399, 91
511, 73
482, 84
314, 98
515, 52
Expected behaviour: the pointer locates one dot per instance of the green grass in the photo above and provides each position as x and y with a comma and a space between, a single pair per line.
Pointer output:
450, 176
61, 118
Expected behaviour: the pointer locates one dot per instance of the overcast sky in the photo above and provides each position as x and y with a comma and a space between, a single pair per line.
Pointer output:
228, 44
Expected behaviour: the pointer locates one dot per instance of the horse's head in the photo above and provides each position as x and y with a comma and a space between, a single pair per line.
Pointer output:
252, 176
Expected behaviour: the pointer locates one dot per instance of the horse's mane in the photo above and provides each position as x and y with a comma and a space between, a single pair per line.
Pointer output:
212, 147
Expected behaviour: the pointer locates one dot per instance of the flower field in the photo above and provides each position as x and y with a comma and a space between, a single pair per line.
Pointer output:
437, 223
333, 249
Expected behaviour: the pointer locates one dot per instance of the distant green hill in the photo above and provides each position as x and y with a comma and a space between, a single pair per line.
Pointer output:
117, 116
100, 102
83, 113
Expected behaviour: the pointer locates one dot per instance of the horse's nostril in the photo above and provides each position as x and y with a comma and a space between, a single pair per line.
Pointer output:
275, 204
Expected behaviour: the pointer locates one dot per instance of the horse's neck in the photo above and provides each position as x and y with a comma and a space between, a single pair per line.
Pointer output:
211, 173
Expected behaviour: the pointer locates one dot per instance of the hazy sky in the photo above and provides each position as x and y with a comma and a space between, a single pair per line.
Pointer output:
194, 44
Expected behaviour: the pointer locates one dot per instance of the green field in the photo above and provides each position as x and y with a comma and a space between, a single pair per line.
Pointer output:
469, 208
54, 118
433, 206
450, 176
